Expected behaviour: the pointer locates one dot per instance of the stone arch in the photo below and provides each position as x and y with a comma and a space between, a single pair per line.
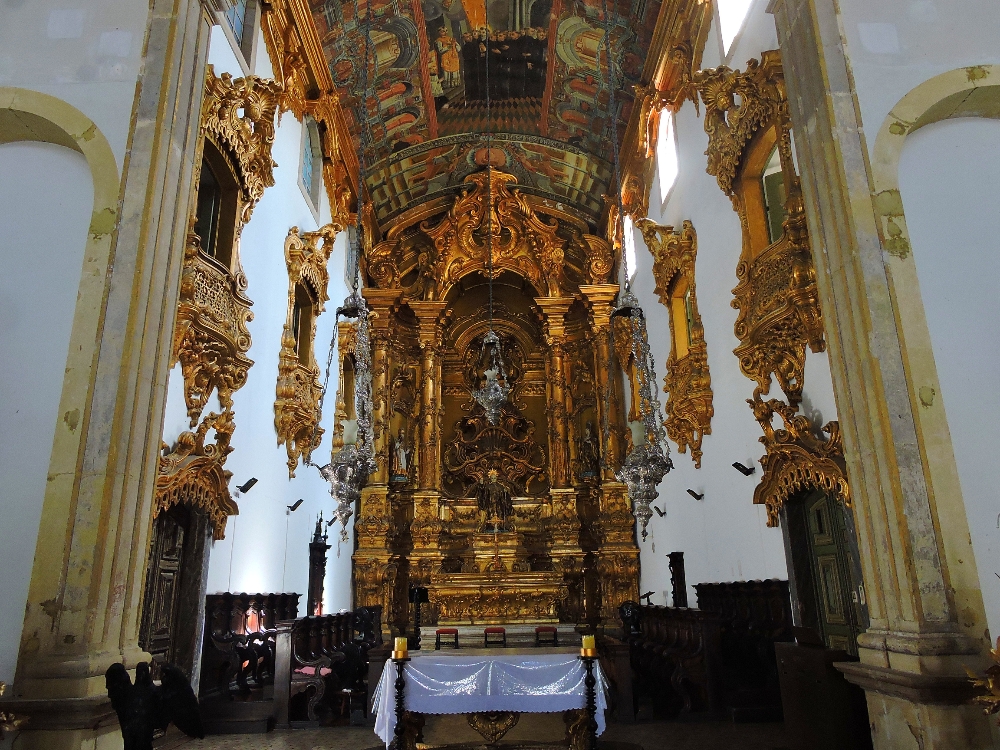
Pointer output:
27, 115
961, 93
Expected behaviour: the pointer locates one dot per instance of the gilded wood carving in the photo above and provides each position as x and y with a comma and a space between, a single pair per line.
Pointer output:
688, 382
211, 337
238, 114
192, 472
746, 115
296, 406
796, 458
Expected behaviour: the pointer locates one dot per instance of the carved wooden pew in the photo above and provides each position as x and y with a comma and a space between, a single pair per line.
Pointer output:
674, 653
323, 653
754, 616
239, 642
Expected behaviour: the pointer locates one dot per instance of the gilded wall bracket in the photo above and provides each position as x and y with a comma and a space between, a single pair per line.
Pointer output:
688, 382
298, 390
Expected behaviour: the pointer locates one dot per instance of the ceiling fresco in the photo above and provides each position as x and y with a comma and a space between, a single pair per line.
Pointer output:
435, 63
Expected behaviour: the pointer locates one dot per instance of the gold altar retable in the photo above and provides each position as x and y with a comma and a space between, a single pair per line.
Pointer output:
567, 553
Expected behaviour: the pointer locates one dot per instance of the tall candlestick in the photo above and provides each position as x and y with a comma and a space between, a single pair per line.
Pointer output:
400, 652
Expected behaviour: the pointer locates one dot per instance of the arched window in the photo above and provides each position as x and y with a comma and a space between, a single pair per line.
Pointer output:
241, 21
217, 206
666, 154
312, 162
732, 14
302, 322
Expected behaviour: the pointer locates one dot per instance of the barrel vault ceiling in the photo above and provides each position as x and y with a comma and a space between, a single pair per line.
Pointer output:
426, 104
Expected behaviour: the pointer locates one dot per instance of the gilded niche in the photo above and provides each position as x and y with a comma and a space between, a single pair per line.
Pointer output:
688, 383
796, 458
192, 472
750, 155
296, 406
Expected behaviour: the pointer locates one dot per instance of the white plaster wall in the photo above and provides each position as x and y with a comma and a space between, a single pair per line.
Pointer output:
266, 548
85, 52
724, 536
948, 180
895, 45
47, 195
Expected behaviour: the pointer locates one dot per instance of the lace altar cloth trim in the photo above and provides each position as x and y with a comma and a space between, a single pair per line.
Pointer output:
438, 683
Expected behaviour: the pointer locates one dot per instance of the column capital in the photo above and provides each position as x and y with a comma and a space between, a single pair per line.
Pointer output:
600, 299
554, 311
429, 314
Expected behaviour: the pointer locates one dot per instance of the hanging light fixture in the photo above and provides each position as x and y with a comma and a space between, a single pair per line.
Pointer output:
495, 392
649, 460
349, 469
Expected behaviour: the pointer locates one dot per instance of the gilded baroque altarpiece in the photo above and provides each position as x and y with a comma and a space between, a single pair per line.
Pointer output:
567, 551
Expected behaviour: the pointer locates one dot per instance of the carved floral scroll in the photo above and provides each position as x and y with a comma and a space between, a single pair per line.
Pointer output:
688, 383
796, 458
192, 472
296, 406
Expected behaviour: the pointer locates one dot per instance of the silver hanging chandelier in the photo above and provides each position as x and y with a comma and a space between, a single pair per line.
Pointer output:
350, 467
649, 460
495, 392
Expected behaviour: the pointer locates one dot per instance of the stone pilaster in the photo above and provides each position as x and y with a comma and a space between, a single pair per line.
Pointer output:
913, 653
85, 595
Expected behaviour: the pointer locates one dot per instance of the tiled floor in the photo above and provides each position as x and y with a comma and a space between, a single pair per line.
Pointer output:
653, 735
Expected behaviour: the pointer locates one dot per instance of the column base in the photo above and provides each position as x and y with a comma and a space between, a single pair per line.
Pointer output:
922, 711
66, 723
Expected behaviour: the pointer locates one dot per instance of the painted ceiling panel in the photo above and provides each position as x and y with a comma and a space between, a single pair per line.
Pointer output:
435, 65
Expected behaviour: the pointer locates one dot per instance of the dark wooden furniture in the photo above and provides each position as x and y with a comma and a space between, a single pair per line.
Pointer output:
239, 642
674, 655
823, 711
546, 635
324, 656
495, 637
754, 615
450, 638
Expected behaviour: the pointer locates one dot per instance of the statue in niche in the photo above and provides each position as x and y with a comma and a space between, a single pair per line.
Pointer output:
495, 505
400, 464
588, 452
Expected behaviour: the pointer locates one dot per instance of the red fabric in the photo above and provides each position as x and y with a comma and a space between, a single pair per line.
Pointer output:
446, 631
495, 630
323, 671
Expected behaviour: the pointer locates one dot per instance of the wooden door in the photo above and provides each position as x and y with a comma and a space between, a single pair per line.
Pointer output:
833, 585
163, 583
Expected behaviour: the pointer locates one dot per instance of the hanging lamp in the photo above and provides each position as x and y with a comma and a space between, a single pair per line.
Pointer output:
649, 459
496, 391
349, 469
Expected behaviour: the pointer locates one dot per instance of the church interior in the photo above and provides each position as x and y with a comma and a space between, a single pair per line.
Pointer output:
527, 374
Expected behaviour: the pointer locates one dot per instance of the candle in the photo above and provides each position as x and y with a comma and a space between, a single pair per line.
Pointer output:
401, 645
589, 643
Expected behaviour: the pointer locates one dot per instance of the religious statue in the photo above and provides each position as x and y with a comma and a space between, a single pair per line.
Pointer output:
495, 506
587, 450
400, 465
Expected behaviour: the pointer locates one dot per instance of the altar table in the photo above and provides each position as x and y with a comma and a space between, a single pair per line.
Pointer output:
522, 680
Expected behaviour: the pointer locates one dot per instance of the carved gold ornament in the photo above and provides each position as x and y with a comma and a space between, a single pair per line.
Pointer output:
796, 459
990, 681
307, 88
192, 473
11, 722
746, 115
296, 406
238, 114
526, 241
211, 337
737, 105
688, 383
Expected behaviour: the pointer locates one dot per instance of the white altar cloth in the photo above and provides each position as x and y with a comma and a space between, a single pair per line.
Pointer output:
439, 682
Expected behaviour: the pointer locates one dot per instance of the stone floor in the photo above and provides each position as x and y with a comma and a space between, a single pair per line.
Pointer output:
652, 735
